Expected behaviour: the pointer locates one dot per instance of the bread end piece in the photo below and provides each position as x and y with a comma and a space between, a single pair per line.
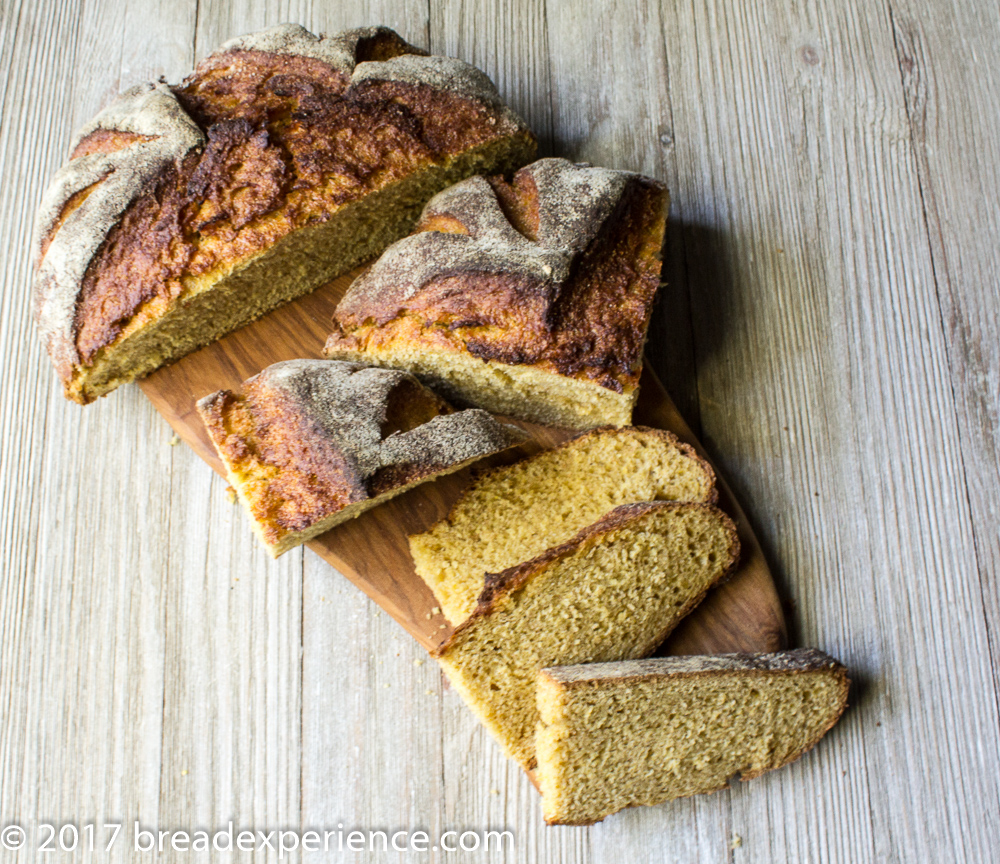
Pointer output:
312, 443
617, 735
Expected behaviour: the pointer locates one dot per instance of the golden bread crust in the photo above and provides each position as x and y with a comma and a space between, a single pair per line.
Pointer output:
309, 438
556, 269
281, 130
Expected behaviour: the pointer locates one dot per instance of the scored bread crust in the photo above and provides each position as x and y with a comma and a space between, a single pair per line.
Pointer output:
116, 158
311, 443
796, 661
554, 271
173, 191
500, 585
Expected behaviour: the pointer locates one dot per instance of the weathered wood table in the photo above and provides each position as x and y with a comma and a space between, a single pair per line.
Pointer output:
830, 328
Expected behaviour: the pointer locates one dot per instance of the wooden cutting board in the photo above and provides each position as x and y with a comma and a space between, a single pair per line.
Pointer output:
743, 615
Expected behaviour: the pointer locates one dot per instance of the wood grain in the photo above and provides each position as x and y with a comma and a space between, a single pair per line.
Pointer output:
372, 551
798, 155
831, 335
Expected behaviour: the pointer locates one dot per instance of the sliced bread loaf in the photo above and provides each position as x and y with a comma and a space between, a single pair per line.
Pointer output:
615, 735
529, 298
613, 592
514, 513
283, 160
312, 443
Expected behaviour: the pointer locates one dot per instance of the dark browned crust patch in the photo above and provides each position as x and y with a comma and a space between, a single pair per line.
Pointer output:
591, 326
290, 139
309, 438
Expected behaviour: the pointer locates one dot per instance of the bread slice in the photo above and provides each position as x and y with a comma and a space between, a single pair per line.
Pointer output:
312, 443
285, 159
613, 592
616, 735
514, 513
529, 298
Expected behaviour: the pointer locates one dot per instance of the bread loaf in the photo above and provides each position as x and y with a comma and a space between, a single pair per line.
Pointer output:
529, 298
615, 735
613, 592
514, 513
284, 160
312, 443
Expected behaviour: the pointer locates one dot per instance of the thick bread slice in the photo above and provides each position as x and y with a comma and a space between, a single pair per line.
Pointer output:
614, 592
313, 443
514, 513
284, 160
529, 298
616, 735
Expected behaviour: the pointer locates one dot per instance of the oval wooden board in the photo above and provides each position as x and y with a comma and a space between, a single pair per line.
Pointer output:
742, 615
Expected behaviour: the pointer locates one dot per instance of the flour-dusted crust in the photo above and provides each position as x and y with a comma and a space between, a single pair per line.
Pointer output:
339, 51
170, 185
347, 404
346, 53
595, 674
509, 261
491, 246
156, 133
441, 73
573, 204
308, 439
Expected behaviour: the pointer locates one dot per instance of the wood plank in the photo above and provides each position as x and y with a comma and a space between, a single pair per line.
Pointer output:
953, 108
81, 653
232, 711
372, 550
823, 377
483, 34
613, 105
480, 786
